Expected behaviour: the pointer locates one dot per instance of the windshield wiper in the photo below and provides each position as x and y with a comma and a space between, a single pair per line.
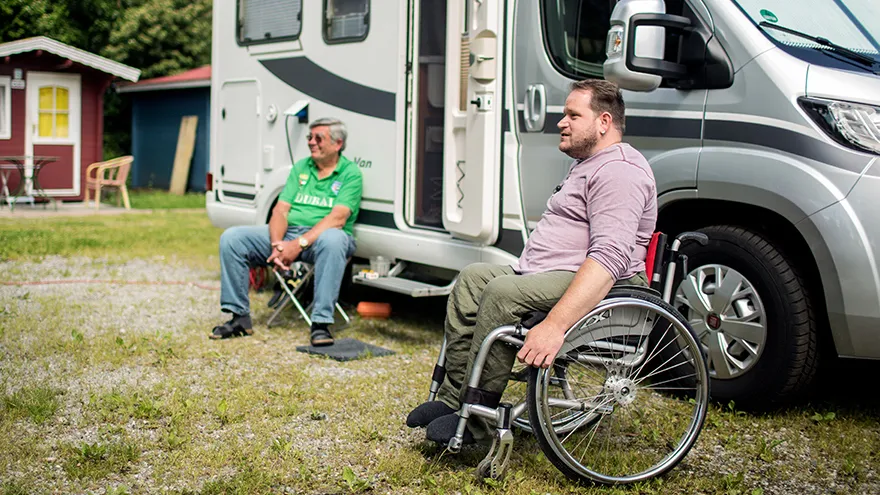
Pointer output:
870, 61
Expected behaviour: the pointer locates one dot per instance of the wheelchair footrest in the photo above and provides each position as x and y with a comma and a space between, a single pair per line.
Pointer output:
494, 465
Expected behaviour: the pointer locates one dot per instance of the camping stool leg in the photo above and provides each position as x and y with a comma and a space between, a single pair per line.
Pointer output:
293, 298
283, 304
343, 313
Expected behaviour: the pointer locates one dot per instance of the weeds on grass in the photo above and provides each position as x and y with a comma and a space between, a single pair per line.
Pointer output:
37, 403
765, 448
353, 482
97, 460
13, 488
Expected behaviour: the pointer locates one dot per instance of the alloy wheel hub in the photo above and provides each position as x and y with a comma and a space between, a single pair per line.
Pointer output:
726, 311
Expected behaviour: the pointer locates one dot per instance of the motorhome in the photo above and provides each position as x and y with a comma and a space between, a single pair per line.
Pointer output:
761, 121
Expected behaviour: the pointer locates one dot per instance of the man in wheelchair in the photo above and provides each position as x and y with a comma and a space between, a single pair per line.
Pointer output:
594, 234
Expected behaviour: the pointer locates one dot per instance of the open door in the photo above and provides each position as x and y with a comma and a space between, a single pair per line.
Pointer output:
472, 128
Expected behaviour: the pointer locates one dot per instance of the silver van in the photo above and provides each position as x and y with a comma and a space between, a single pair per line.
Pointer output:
761, 121
775, 109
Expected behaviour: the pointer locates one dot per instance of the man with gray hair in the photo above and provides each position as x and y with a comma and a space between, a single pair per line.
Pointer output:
312, 221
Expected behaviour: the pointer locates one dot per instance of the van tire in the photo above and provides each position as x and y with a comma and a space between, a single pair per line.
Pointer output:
790, 356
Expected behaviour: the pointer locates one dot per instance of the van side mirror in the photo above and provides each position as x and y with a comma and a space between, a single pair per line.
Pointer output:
621, 41
636, 49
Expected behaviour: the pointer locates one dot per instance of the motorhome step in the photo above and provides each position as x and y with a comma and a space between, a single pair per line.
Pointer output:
412, 288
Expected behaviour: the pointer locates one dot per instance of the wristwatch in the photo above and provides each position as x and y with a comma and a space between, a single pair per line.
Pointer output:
303, 242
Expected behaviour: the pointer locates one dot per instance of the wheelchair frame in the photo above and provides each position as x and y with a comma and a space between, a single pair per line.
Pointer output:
661, 264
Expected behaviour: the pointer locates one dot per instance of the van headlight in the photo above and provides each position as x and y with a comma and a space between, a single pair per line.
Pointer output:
853, 125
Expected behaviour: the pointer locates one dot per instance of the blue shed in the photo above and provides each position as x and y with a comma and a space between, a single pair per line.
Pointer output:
157, 108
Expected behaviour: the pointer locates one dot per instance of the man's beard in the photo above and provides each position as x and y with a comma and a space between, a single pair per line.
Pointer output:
583, 148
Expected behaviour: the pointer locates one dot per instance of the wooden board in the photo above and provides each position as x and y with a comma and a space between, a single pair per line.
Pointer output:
186, 142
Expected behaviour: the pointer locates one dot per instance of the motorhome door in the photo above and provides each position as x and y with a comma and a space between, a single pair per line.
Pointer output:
472, 130
239, 139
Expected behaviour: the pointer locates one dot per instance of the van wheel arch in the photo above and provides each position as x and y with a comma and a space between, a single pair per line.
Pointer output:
747, 236
271, 207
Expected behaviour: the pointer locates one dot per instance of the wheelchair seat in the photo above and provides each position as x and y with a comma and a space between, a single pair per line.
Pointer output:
532, 318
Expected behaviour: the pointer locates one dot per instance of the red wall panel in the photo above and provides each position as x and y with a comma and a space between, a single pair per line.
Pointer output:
58, 174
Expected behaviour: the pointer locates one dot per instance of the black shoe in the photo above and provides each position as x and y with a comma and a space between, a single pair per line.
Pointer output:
427, 412
321, 335
442, 429
238, 326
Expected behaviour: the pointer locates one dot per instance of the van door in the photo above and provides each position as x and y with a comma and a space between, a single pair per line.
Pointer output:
561, 41
239, 140
471, 145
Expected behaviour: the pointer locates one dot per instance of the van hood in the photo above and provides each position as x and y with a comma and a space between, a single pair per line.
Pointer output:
836, 84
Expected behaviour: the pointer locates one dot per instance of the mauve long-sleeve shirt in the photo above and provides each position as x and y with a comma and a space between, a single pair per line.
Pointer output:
606, 210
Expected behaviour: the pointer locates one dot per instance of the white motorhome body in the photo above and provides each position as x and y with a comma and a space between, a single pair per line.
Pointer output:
452, 108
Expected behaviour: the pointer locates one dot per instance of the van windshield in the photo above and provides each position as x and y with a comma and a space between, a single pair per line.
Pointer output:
853, 24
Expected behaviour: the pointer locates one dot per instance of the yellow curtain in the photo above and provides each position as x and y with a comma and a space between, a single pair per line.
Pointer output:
54, 119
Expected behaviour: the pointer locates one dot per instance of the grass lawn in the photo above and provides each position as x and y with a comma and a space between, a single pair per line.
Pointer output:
186, 236
116, 389
153, 199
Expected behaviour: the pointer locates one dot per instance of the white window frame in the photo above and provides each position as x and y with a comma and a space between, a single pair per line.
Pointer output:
347, 39
239, 26
6, 110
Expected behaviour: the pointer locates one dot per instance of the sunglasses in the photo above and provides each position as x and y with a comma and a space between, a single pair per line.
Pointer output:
317, 137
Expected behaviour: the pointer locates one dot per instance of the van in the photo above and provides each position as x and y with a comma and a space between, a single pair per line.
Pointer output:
761, 121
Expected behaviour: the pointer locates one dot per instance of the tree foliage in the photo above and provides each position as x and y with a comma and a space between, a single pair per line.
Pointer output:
159, 37
163, 36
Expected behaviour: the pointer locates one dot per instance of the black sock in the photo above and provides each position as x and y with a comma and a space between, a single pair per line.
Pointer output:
320, 326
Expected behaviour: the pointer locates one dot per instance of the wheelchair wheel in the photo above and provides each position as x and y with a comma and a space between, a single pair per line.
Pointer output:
641, 389
517, 391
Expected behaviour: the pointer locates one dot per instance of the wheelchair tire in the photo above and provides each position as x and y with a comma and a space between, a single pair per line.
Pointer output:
634, 423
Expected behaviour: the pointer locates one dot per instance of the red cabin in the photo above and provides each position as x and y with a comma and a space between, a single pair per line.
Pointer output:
52, 104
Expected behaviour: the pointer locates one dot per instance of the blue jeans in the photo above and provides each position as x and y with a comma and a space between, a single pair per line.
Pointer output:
243, 247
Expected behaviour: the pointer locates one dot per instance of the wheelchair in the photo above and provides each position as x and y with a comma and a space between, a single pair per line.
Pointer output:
624, 400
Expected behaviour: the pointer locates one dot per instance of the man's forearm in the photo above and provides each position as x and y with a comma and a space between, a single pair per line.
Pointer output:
277, 228
334, 220
590, 285
331, 221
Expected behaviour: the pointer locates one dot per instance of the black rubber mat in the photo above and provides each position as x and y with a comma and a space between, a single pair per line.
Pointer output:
346, 350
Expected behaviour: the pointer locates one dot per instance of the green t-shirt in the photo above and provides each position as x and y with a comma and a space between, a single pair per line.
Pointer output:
312, 199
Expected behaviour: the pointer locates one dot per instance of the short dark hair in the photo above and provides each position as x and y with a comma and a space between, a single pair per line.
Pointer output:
605, 97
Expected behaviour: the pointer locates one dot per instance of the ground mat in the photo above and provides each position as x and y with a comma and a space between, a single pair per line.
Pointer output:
346, 350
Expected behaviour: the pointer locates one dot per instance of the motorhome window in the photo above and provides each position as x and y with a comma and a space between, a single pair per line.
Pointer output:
346, 21
853, 24
574, 35
5, 108
267, 21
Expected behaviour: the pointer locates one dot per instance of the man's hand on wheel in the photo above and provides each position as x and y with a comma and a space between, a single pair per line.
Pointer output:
541, 346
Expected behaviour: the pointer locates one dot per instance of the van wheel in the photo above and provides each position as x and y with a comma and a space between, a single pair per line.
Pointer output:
753, 316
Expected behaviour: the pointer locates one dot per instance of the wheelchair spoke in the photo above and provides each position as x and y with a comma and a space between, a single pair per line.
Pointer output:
652, 353
654, 386
661, 370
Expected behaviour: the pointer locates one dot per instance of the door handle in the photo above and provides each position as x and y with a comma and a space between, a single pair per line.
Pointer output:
535, 108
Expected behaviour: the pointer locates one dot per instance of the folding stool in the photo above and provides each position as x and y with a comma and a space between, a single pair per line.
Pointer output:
303, 274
